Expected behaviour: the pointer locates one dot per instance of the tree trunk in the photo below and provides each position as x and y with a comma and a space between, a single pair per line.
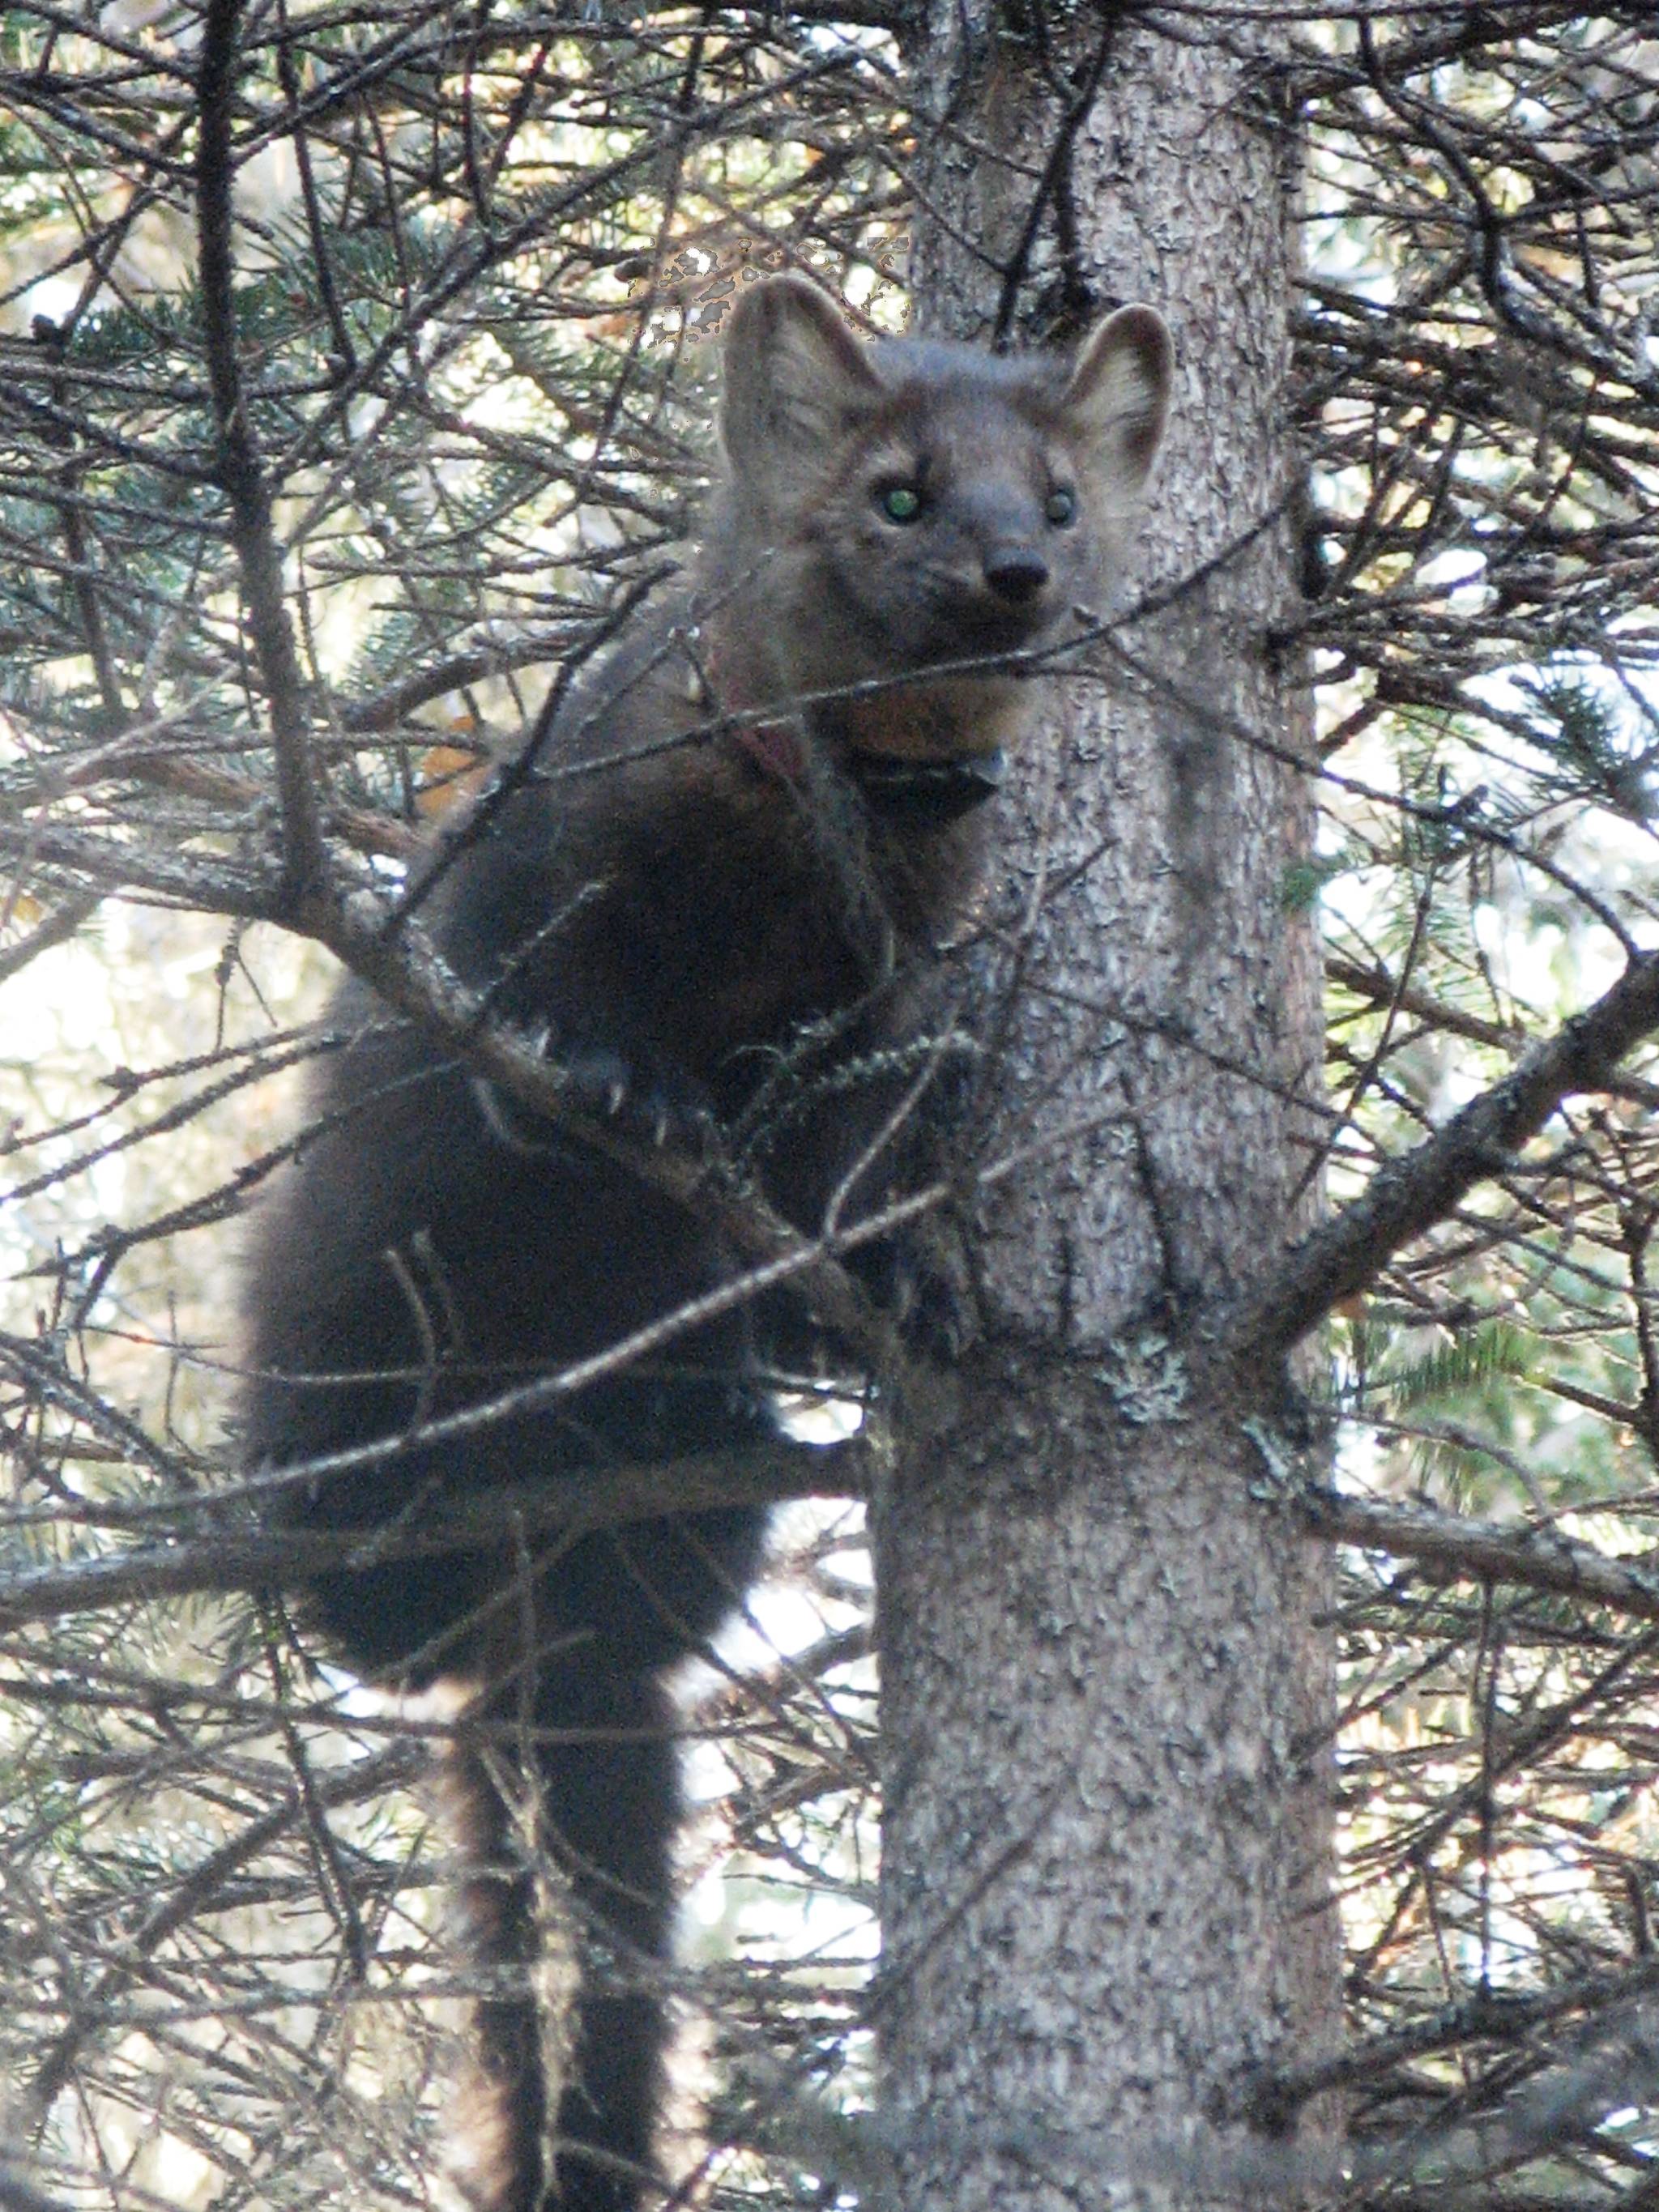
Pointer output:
1106, 1700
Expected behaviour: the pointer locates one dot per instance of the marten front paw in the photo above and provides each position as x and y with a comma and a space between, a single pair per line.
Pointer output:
640, 1104
642, 1101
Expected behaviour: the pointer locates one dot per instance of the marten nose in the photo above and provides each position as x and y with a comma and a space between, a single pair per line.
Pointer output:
1016, 573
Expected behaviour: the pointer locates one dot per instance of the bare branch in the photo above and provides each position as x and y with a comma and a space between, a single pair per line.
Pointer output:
1412, 1194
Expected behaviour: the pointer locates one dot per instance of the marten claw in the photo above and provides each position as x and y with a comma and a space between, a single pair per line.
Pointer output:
660, 1113
600, 1083
599, 1078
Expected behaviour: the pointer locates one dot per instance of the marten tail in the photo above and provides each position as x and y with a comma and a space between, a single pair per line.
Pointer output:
589, 1795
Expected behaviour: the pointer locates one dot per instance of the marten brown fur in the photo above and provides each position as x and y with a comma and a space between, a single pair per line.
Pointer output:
682, 926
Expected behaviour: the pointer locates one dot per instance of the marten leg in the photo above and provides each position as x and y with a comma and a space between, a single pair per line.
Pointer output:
605, 1792
613, 1805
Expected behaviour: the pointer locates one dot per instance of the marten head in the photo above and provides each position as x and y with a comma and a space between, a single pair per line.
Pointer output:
905, 505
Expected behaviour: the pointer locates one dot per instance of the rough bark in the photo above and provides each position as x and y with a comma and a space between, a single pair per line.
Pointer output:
1105, 1887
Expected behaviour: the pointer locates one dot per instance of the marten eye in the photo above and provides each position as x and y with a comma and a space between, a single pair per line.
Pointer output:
1061, 508
899, 502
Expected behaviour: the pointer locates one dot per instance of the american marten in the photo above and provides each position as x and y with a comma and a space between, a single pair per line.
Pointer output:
721, 940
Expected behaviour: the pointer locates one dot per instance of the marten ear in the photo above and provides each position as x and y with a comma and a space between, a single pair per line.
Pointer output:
1117, 400
796, 381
